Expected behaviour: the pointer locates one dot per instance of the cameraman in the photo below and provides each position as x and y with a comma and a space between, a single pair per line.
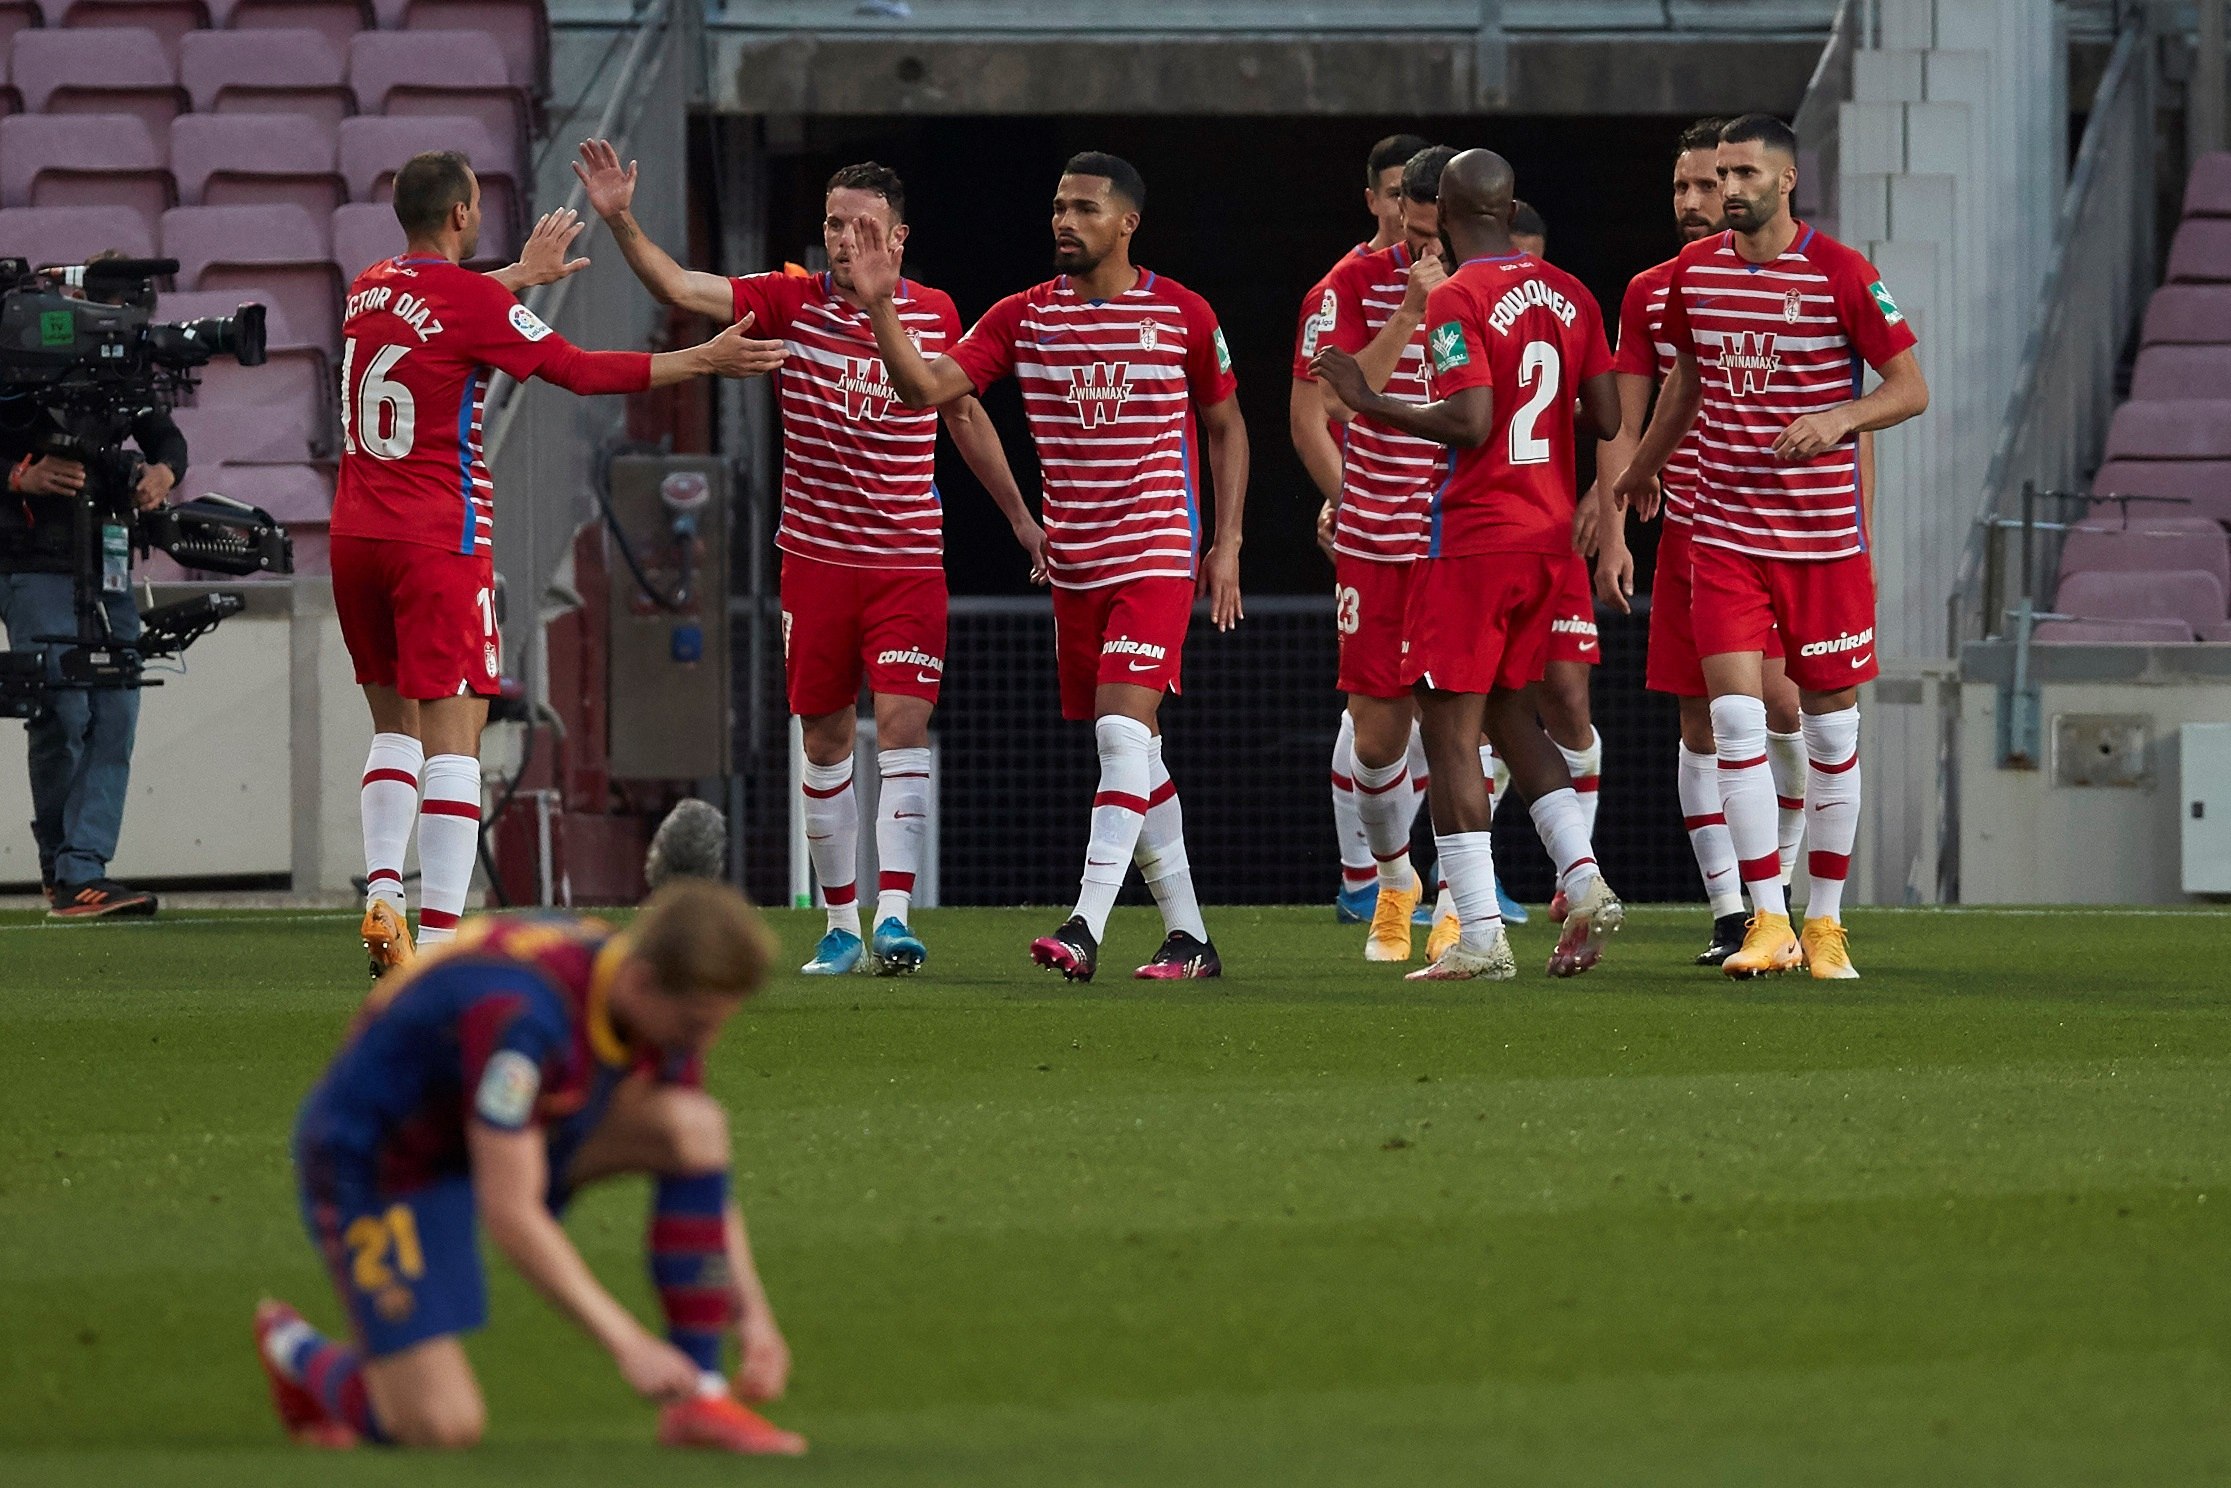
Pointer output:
80, 745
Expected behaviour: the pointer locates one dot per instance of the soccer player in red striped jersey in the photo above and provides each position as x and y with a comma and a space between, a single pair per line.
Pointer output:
1770, 322
413, 519
863, 570
1512, 344
1114, 362
1317, 440
1642, 360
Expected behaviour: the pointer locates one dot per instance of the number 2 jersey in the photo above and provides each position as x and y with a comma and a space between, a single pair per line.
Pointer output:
1531, 333
420, 338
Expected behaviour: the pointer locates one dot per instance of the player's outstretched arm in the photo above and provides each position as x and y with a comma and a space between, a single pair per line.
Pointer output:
1678, 401
1904, 393
1227, 463
611, 193
875, 279
731, 353
979, 445
542, 260
510, 1176
1462, 420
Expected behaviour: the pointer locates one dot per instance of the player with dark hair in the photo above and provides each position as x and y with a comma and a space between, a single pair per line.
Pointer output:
487, 1085
1318, 439
413, 518
862, 535
1529, 234
1642, 360
1512, 343
1769, 322
1114, 362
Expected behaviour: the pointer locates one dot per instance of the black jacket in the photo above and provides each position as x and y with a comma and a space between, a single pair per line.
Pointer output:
35, 530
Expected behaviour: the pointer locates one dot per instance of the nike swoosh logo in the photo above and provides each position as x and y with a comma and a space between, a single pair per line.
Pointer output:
924, 677
1047, 338
1144, 666
1100, 863
1587, 646
1859, 661
909, 815
824, 837
1704, 299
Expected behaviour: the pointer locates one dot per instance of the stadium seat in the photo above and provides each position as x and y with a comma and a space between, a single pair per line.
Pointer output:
170, 20
82, 160
239, 436
2208, 188
2188, 595
102, 70
458, 72
2111, 633
300, 496
268, 72
16, 15
2171, 372
2170, 430
253, 159
2092, 549
68, 235
335, 20
292, 393
281, 248
520, 29
2200, 253
364, 233
2147, 517
2188, 314
374, 146
2204, 486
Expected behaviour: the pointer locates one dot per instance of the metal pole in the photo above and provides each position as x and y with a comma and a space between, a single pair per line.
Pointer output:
2205, 111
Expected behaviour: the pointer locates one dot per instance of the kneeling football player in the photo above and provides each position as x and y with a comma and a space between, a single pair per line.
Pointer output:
485, 1086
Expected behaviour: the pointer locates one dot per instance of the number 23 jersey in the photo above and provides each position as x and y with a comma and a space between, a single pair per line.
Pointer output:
1531, 334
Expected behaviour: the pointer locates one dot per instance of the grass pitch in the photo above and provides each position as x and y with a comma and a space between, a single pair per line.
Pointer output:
1965, 1221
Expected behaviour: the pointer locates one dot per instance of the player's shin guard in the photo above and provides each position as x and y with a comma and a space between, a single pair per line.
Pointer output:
1388, 805
1561, 820
1706, 821
1747, 798
1785, 755
1356, 871
1468, 865
833, 839
689, 1265
1586, 766
901, 825
1118, 813
1831, 808
1161, 852
448, 843
388, 805
330, 1370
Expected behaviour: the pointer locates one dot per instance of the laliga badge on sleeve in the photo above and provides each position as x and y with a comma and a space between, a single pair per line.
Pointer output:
508, 1086
527, 323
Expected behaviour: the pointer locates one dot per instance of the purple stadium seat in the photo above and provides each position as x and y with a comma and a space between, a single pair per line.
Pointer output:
2208, 188
68, 235
2188, 314
82, 160
2111, 633
16, 15
2204, 485
2170, 372
365, 233
266, 72
2149, 517
224, 160
2173, 430
239, 436
122, 70
335, 20
453, 72
292, 493
168, 19
2201, 252
2090, 549
294, 394
374, 147
280, 248
2189, 595
520, 29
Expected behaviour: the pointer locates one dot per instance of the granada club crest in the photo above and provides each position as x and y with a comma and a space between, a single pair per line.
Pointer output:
1150, 334
1793, 305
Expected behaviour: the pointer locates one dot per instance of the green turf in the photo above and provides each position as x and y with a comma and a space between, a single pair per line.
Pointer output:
1966, 1221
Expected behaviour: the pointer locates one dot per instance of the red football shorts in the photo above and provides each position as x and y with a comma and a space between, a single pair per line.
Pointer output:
1132, 632
1572, 630
1824, 610
842, 624
1673, 666
418, 619
1481, 621
1369, 601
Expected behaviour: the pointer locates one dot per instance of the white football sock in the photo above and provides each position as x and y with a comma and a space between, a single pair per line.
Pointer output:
1562, 823
1388, 806
1161, 851
1356, 868
833, 839
448, 843
1118, 813
1706, 822
389, 805
1586, 766
901, 827
1831, 808
1785, 756
1747, 798
1468, 863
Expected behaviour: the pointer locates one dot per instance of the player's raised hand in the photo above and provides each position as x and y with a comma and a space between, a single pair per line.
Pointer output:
1811, 435
655, 1369
732, 353
542, 260
1424, 277
875, 260
611, 186
1338, 371
763, 1368
1220, 582
1033, 539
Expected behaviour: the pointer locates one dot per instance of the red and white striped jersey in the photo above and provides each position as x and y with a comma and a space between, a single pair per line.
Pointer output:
858, 466
1774, 342
1645, 352
1316, 315
1386, 477
1109, 388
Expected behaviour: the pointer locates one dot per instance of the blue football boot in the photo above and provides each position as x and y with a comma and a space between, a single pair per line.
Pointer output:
897, 950
1513, 912
1355, 906
838, 955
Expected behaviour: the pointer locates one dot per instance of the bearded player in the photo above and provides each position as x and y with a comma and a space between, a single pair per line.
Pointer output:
1318, 441
863, 571
1769, 322
413, 525
483, 1087
1113, 361
1512, 343
1644, 358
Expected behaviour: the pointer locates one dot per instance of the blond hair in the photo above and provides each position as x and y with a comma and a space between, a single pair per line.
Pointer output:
697, 935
